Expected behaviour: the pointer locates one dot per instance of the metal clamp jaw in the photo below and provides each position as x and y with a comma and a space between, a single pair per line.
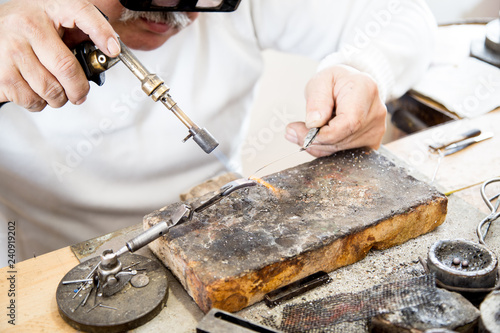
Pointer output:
225, 191
183, 214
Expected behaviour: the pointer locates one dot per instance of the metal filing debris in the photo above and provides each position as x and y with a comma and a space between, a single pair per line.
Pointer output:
77, 281
88, 276
131, 265
92, 308
107, 306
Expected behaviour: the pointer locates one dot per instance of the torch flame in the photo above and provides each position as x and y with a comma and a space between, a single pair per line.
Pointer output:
266, 184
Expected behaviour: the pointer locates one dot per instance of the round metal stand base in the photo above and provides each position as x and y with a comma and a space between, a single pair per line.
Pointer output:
125, 310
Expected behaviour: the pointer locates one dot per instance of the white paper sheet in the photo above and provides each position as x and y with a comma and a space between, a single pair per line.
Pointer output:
464, 85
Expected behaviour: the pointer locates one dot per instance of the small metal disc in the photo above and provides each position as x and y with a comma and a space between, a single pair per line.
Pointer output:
139, 281
127, 309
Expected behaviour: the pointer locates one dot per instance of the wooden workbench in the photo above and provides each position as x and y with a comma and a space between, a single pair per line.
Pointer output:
473, 165
37, 278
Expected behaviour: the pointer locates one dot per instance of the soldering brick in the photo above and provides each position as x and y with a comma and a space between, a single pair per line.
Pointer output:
321, 215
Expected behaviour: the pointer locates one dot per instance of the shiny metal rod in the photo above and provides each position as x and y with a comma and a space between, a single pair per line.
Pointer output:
129, 59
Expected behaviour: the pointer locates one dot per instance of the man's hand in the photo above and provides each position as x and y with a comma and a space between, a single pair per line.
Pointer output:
345, 103
36, 66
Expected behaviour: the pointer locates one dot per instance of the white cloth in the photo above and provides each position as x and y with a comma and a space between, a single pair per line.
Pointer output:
70, 174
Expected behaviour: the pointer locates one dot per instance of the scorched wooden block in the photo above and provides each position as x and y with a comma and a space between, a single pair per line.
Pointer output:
323, 215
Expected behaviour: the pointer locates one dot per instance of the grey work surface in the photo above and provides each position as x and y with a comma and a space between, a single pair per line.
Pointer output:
182, 314
400, 262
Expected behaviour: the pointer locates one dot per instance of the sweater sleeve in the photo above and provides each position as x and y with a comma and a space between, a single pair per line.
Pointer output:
391, 40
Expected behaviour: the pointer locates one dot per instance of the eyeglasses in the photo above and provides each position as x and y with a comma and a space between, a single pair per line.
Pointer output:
182, 5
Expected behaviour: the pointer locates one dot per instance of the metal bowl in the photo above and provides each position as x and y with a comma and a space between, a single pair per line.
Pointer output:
461, 263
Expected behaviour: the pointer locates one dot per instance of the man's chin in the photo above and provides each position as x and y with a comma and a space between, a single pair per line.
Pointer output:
158, 28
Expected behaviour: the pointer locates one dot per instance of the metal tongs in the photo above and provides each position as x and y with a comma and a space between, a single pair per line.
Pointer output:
224, 191
459, 142
183, 214
456, 144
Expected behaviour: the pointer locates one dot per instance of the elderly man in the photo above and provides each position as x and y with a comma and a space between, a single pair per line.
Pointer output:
111, 155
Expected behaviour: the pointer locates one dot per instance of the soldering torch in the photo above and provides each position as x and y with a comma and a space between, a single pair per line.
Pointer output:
94, 62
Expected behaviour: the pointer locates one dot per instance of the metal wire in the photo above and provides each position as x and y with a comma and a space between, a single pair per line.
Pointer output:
440, 158
486, 222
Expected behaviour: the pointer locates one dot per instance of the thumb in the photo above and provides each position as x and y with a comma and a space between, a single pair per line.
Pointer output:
296, 132
319, 99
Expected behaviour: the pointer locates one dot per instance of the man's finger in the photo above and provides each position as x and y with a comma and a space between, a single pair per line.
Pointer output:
19, 92
320, 151
43, 83
296, 132
86, 17
355, 100
319, 100
62, 64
